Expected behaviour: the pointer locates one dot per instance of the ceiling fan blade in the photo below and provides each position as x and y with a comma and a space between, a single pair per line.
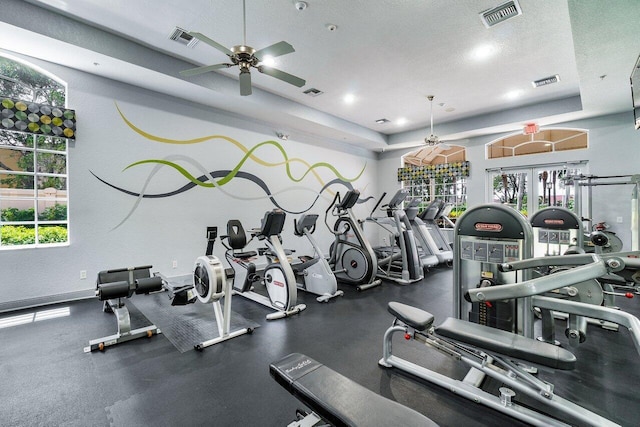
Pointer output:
277, 49
245, 83
210, 42
285, 77
201, 70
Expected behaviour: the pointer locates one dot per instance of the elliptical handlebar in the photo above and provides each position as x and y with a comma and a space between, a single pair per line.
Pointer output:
375, 208
306, 222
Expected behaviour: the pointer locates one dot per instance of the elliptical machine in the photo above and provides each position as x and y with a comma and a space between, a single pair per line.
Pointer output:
315, 273
424, 236
399, 261
351, 256
278, 278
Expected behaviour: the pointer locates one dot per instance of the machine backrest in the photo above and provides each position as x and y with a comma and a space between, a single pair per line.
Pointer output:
305, 221
122, 275
350, 199
236, 237
272, 223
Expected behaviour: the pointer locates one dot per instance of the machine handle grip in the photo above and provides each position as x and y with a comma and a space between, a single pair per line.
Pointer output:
576, 259
539, 285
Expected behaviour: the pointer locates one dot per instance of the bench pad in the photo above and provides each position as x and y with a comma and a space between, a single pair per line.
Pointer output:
507, 343
339, 400
412, 316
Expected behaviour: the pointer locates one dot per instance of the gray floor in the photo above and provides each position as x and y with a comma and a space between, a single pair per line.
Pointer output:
47, 380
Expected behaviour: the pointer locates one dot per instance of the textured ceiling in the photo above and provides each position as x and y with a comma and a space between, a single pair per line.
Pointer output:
390, 54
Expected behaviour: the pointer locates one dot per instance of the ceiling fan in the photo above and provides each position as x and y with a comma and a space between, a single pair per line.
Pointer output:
433, 139
246, 57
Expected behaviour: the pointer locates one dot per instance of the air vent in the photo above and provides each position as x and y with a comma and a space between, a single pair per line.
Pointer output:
382, 121
181, 36
500, 13
546, 81
313, 92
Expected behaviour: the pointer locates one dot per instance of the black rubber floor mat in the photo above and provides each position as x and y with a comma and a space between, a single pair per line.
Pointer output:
187, 325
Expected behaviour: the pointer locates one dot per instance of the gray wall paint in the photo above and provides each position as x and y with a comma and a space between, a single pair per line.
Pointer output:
161, 230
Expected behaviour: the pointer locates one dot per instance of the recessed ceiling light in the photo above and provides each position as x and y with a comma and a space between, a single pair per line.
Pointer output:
401, 121
349, 98
483, 52
513, 94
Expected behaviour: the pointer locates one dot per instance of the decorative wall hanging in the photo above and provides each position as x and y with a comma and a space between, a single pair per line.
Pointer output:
443, 170
37, 119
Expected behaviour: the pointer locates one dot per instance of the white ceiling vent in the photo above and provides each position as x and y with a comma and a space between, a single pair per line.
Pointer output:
181, 36
500, 13
313, 92
546, 81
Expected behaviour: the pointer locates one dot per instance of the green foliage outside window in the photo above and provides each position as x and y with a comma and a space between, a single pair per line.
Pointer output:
12, 235
32, 163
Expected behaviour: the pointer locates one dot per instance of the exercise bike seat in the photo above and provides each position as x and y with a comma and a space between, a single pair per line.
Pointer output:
237, 239
339, 400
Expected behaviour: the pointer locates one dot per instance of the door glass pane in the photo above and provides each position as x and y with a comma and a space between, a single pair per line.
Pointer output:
553, 190
510, 188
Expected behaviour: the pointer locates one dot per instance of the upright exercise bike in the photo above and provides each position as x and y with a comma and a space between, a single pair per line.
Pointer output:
351, 256
278, 277
314, 272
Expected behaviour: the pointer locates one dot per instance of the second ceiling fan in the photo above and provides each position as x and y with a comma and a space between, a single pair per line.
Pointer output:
246, 57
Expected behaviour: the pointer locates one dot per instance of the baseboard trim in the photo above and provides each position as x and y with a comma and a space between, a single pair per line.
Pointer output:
46, 300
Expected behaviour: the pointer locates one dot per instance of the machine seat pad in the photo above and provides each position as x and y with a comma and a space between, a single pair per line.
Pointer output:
507, 343
412, 316
244, 255
339, 400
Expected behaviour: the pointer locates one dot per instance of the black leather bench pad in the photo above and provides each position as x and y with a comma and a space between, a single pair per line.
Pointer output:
412, 316
507, 343
339, 400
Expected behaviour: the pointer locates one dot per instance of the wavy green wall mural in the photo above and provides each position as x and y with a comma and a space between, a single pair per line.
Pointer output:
196, 175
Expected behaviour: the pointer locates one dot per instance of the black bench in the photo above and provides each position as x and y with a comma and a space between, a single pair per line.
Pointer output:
339, 400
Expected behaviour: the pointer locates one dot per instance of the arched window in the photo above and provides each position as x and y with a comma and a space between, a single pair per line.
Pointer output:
437, 171
33, 167
544, 141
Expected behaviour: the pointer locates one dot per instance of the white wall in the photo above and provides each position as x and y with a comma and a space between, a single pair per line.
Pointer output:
162, 230
614, 149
